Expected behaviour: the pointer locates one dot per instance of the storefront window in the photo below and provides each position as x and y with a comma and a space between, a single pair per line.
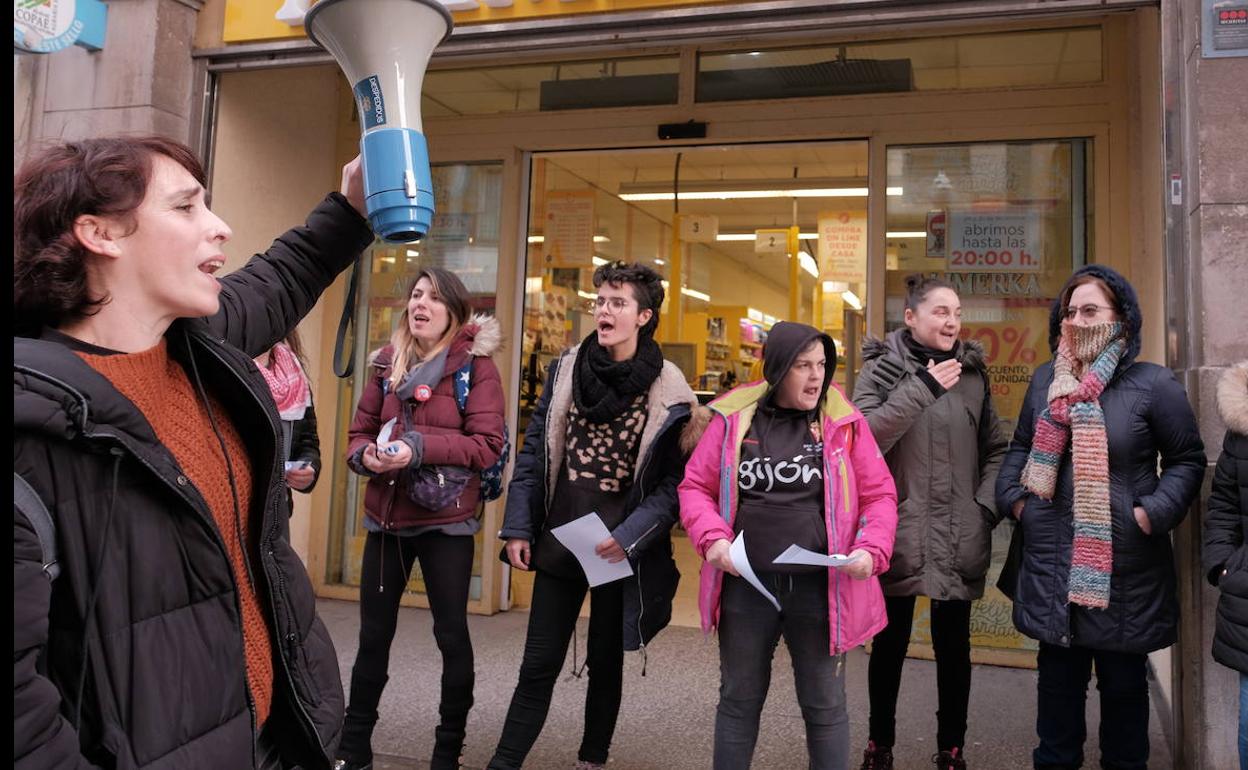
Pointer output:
464, 238
993, 60
763, 234
570, 85
1006, 224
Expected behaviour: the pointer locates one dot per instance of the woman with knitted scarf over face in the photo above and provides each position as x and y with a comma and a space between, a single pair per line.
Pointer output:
1096, 586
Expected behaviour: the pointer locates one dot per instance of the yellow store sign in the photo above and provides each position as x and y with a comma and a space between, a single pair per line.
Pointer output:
249, 21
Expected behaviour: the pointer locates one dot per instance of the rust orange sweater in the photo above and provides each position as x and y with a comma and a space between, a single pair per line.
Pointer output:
161, 390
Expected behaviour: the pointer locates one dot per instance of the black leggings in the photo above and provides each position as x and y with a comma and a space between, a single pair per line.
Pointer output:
951, 641
552, 623
446, 563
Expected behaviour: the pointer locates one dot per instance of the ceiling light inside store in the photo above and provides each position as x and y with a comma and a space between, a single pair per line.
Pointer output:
695, 294
835, 287
533, 285
542, 239
906, 234
754, 236
412, 253
749, 188
658, 261
586, 295
754, 315
852, 300
808, 264
598, 261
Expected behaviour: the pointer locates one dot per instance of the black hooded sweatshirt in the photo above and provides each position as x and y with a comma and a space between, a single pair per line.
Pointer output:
780, 478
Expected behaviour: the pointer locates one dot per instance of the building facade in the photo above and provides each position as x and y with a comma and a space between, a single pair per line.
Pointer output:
773, 160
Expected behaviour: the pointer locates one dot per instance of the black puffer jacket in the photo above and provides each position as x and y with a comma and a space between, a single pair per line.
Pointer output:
145, 579
1146, 414
1226, 522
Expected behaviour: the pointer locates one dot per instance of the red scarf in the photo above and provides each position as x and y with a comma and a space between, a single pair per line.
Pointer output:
289, 385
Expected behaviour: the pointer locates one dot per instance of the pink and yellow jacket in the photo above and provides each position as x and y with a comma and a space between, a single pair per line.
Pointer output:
858, 492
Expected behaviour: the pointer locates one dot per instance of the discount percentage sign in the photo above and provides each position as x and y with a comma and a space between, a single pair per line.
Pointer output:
1020, 349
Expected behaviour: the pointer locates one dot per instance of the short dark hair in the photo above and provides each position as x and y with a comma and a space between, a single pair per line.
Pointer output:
918, 286
646, 283
102, 177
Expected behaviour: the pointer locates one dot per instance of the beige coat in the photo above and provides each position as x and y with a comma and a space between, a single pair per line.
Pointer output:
944, 453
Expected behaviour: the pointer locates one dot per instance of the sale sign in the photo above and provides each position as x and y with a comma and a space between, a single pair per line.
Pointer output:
985, 242
1013, 347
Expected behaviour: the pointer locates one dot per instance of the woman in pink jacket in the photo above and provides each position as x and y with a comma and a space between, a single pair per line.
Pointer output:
791, 461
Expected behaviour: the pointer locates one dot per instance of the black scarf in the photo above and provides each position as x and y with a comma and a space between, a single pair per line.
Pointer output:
922, 353
603, 388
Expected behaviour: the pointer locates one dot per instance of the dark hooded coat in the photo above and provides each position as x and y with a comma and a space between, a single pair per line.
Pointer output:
1147, 415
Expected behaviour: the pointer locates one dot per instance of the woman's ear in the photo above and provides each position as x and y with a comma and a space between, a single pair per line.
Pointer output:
98, 235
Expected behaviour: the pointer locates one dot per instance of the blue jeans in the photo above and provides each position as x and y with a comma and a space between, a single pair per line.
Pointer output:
749, 629
1243, 722
1061, 724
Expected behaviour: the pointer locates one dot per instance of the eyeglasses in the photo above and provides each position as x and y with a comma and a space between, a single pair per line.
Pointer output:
1086, 312
614, 305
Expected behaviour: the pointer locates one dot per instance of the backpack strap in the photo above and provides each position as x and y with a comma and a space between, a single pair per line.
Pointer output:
462, 384
28, 503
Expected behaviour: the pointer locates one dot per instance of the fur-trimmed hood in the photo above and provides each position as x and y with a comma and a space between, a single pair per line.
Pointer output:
1233, 398
481, 336
969, 352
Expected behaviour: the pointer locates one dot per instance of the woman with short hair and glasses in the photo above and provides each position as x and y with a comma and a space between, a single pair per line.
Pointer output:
603, 439
1097, 585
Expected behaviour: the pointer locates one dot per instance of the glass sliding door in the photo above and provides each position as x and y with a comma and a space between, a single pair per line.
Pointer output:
1005, 223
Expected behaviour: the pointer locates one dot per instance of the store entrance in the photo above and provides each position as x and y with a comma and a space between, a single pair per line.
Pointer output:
745, 236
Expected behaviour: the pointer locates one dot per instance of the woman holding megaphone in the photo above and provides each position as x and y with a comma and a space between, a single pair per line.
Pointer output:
181, 630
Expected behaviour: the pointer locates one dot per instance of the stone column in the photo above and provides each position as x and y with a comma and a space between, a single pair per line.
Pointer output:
1208, 269
140, 82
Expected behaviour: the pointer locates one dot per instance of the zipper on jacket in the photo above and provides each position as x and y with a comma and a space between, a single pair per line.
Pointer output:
641, 613
836, 576
209, 525
281, 581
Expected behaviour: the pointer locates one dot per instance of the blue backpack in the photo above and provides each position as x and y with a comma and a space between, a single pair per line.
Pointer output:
491, 477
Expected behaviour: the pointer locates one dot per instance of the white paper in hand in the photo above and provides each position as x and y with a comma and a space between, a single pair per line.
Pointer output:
739, 560
581, 536
795, 554
383, 436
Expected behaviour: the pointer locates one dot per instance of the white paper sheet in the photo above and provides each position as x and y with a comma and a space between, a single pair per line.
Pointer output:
383, 437
737, 554
581, 536
795, 554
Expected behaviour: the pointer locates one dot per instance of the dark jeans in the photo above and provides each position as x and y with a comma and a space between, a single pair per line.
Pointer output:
749, 629
1060, 721
446, 563
951, 641
552, 623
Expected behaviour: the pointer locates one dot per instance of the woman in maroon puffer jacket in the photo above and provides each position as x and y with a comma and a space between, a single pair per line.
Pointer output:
423, 455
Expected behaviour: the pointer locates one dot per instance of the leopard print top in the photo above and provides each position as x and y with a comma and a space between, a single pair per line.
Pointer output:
603, 455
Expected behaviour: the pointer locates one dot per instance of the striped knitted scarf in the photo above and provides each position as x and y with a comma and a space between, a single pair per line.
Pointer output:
1086, 359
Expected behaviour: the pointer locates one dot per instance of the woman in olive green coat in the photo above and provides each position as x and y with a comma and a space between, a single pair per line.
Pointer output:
927, 398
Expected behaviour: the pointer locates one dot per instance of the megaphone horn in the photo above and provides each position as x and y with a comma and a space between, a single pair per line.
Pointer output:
383, 47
